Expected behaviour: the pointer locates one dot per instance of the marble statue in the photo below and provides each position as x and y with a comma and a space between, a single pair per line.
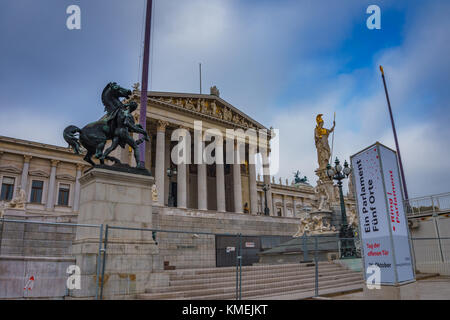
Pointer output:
314, 225
324, 197
154, 193
352, 218
18, 202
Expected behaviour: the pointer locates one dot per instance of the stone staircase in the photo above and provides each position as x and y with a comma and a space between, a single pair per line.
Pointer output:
284, 281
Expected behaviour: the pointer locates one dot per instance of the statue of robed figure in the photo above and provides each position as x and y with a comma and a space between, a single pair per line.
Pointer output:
321, 139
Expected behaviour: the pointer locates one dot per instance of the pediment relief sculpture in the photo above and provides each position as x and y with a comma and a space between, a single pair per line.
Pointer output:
208, 107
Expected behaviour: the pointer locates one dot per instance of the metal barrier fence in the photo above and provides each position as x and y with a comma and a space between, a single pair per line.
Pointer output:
431, 255
163, 264
166, 264
427, 205
37, 260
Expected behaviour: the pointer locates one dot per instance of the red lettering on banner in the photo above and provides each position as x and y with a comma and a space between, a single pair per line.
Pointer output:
393, 204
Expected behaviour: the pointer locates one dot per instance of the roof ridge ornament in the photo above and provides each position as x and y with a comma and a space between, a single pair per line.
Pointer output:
214, 91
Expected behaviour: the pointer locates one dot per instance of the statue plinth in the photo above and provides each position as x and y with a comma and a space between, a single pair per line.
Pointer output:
122, 167
327, 184
122, 199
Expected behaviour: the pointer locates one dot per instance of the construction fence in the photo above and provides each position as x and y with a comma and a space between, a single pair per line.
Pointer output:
63, 260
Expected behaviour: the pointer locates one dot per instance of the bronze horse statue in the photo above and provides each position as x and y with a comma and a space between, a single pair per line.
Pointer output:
115, 125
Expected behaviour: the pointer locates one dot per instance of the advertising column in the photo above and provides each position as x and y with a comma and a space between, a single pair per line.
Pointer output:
382, 221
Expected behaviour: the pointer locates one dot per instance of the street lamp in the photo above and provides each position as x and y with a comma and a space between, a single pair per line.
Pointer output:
171, 172
266, 209
339, 173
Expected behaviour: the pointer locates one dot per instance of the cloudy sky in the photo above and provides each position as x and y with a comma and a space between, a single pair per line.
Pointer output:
281, 62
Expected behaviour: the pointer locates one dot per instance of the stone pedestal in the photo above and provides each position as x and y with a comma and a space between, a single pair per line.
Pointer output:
395, 292
328, 185
117, 199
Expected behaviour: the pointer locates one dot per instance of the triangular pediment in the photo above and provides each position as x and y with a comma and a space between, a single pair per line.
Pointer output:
204, 105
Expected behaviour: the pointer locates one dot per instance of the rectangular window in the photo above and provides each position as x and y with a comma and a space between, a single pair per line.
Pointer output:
63, 194
7, 188
36, 191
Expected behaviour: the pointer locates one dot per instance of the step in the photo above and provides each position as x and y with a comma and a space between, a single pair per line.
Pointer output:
190, 285
285, 294
190, 275
255, 289
233, 268
252, 276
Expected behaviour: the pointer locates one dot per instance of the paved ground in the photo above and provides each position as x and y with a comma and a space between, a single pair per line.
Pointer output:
436, 288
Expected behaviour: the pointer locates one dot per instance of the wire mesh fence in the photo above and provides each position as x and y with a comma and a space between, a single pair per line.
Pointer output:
37, 260
297, 268
431, 255
163, 264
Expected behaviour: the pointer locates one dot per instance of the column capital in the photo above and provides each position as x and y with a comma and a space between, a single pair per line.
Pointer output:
80, 166
161, 125
27, 158
183, 127
54, 162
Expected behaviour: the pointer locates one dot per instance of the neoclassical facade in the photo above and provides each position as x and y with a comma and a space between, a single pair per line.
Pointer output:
50, 174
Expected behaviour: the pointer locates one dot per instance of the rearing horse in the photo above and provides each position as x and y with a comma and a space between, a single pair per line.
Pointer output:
94, 135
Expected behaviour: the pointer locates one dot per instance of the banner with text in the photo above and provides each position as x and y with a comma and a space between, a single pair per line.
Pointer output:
382, 220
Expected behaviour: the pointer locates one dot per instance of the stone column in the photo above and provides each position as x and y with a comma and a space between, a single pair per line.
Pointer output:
252, 181
202, 193
159, 161
284, 206
220, 177
76, 196
266, 175
182, 182
237, 184
261, 198
26, 166
294, 210
51, 186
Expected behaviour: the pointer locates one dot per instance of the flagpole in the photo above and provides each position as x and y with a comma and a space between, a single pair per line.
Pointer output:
144, 80
332, 139
405, 190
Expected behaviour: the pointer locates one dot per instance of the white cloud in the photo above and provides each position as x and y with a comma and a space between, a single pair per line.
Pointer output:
418, 77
